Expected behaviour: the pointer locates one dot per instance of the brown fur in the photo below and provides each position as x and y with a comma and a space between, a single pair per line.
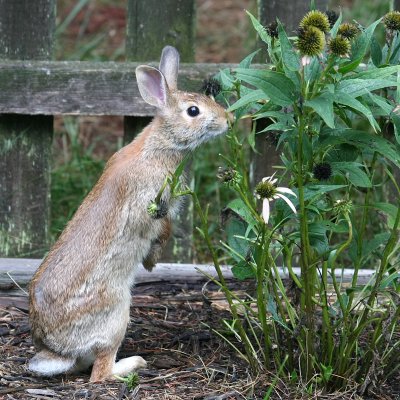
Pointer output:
80, 295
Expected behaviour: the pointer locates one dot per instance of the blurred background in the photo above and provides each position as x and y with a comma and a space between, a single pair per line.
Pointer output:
94, 30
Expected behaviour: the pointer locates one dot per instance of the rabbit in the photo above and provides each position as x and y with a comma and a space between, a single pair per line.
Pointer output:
80, 295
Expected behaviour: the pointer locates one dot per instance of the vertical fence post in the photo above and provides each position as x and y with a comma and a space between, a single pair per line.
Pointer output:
289, 13
151, 26
26, 33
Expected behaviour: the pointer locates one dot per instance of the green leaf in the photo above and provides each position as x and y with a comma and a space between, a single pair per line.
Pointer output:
389, 209
323, 106
375, 73
363, 140
314, 191
336, 26
243, 271
358, 87
359, 48
290, 58
347, 100
355, 175
275, 85
259, 28
376, 52
240, 208
253, 96
396, 123
246, 62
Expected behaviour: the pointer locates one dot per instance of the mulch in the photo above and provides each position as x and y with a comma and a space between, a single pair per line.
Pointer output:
173, 330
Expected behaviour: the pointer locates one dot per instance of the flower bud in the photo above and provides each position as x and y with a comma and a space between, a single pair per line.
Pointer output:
392, 21
348, 31
311, 41
339, 46
316, 19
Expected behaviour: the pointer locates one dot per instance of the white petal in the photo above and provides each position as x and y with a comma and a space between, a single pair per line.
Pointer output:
265, 211
286, 190
289, 203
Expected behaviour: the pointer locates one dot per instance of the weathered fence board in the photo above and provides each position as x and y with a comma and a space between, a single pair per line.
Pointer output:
26, 32
150, 27
15, 274
84, 88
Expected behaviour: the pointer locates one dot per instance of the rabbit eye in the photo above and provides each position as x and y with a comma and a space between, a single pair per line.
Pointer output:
193, 111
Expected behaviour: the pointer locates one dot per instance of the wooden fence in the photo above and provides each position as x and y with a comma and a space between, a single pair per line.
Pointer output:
33, 89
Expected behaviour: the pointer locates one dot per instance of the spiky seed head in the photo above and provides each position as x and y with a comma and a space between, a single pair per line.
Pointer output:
229, 176
311, 41
265, 190
211, 87
339, 46
392, 21
348, 31
272, 29
332, 17
322, 171
316, 19
157, 210
342, 207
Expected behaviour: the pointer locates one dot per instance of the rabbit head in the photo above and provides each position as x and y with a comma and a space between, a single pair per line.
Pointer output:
187, 119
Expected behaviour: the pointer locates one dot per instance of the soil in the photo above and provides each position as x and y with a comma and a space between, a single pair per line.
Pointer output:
174, 328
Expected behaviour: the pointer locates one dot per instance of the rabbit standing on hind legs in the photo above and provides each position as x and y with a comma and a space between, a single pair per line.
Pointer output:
80, 295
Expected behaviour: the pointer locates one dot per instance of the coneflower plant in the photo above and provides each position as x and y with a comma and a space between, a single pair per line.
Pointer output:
330, 96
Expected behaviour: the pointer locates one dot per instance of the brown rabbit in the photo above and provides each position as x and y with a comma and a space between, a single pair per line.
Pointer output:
80, 295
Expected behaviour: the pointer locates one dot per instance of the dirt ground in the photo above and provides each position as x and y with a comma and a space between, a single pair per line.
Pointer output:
173, 327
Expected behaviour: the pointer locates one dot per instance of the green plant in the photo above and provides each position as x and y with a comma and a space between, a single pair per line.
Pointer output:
338, 127
72, 178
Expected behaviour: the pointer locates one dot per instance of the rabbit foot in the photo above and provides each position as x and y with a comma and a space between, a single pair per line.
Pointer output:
105, 368
48, 363
127, 365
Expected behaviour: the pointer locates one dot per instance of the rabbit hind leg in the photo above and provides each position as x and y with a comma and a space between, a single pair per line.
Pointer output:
48, 363
127, 365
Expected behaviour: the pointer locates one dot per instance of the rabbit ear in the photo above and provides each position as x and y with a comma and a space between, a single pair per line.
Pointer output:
169, 65
152, 85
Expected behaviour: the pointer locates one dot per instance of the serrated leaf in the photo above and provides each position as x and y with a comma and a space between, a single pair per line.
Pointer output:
275, 85
246, 62
323, 106
314, 191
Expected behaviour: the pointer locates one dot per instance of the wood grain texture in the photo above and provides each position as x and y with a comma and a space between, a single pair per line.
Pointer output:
16, 272
84, 88
26, 33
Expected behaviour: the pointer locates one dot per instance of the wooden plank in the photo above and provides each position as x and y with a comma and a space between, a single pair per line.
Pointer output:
26, 32
15, 274
83, 88
21, 270
145, 39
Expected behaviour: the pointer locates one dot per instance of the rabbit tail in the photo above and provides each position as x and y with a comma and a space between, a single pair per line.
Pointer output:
48, 363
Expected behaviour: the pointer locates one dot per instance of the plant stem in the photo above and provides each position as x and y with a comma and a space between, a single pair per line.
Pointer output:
307, 270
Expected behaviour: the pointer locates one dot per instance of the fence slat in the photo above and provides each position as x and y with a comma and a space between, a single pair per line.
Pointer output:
151, 26
289, 13
26, 32
83, 88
